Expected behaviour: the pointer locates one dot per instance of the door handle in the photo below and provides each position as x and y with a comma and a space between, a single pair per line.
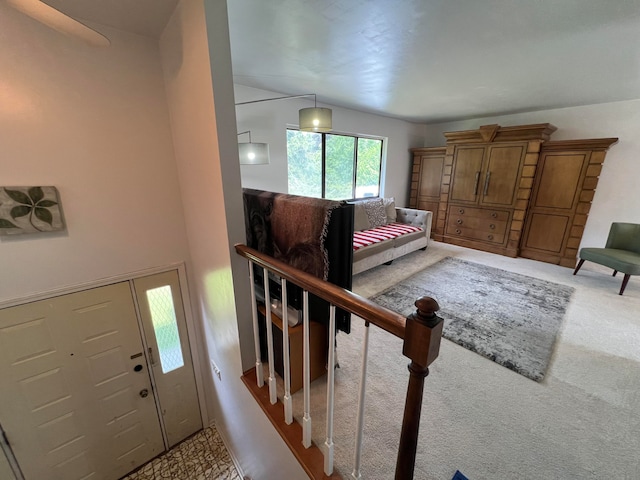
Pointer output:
144, 393
486, 183
475, 190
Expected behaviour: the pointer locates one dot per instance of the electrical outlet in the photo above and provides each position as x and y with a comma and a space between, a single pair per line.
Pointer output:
216, 370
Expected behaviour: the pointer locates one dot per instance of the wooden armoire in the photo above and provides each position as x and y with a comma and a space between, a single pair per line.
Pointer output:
509, 190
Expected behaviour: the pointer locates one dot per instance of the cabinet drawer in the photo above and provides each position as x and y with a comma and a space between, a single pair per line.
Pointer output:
486, 213
462, 232
477, 223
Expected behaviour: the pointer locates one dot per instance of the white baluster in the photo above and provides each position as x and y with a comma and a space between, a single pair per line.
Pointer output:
360, 422
328, 454
256, 329
306, 418
273, 398
288, 408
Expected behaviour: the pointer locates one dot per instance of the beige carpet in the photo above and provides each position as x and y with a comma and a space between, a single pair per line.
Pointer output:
582, 421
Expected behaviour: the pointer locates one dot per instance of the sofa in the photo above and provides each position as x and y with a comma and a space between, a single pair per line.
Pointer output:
384, 232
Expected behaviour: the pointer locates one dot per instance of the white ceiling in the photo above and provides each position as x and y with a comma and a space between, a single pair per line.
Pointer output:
420, 60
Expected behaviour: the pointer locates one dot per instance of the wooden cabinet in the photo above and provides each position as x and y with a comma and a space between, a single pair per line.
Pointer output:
318, 348
483, 224
426, 182
564, 187
487, 176
466, 174
510, 190
492, 172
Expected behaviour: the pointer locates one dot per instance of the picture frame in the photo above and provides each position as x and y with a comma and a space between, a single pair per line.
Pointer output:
29, 210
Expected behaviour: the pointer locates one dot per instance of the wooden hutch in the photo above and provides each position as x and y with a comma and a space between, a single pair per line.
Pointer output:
509, 190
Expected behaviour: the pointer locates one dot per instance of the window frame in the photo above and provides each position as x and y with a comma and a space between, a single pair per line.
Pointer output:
355, 160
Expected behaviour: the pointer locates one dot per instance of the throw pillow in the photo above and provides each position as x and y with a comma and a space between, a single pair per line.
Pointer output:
376, 213
360, 219
390, 207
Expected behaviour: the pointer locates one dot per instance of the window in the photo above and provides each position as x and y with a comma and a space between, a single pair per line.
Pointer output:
165, 326
337, 167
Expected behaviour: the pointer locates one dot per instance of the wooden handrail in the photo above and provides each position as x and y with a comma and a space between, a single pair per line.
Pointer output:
422, 346
421, 332
392, 322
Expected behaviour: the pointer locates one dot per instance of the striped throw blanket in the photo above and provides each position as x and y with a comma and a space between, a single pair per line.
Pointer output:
379, 234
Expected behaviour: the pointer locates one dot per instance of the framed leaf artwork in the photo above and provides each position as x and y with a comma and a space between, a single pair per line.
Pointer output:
29, 210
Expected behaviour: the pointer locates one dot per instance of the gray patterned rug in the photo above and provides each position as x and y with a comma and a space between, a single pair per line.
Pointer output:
509, 318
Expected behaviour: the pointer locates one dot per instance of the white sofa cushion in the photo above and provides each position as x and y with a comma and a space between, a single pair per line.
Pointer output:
390, 208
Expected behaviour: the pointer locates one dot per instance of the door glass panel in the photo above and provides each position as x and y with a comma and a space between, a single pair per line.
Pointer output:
165, 327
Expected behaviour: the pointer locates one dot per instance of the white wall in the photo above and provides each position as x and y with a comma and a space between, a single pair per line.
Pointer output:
617, 197
268, 122
94, 123
207, 159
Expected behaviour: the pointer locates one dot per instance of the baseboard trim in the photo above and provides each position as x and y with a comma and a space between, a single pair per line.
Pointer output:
227, 445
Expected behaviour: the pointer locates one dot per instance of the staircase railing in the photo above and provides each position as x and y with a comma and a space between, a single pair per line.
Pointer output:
420, 331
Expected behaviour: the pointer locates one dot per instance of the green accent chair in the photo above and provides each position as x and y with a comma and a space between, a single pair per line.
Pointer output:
622, 252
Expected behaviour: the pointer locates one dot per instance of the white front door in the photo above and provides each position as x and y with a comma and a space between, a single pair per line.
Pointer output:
76, 394
165, 329
5, 469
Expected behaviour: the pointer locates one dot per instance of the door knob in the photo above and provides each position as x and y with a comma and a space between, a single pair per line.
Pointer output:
144, 393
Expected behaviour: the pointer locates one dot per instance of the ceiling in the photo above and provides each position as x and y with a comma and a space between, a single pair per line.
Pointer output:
420, 60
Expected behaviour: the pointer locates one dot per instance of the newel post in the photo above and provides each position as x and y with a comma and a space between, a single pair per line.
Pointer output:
421, 345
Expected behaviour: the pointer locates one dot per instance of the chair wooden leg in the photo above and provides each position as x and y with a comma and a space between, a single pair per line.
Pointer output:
579, 265
614, 273
624, 283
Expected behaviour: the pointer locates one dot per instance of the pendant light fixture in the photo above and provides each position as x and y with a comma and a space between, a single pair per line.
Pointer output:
253, 153
312, 119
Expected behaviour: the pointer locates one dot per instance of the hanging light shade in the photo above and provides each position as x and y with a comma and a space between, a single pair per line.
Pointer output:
315, 119
253, 153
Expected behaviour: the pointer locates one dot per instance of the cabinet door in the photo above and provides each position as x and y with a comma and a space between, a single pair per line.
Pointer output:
556, 194
560, 180
501, 174
430, 182
465, 180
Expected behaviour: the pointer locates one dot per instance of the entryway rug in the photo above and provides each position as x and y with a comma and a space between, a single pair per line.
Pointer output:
509, 318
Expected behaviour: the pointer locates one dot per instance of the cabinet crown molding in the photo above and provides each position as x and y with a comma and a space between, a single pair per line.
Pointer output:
582, 144
496, 133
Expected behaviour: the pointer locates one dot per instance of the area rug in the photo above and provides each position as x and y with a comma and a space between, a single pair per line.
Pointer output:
509, 318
